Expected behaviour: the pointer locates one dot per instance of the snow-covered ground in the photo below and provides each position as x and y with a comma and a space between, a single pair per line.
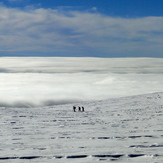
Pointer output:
127, 129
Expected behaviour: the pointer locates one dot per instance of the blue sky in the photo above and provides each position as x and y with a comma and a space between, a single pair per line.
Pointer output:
86, 28
130, 8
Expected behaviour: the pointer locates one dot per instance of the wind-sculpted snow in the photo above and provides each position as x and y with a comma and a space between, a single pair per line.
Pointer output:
128, 129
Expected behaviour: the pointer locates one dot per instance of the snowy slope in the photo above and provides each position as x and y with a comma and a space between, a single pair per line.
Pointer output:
128, 129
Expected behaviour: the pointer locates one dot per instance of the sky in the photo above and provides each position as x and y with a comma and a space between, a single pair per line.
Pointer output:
85, 28
45, 81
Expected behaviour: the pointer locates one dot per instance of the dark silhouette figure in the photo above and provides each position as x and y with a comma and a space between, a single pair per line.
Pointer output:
79, 108
74, 108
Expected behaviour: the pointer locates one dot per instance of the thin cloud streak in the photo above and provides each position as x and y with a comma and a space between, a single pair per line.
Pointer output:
81, 65
78, 33
33, 82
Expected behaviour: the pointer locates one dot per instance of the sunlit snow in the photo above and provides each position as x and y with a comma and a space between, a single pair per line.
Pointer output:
115, 126
127, 129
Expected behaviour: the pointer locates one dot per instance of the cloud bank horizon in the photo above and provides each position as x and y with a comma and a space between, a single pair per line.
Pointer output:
34, 82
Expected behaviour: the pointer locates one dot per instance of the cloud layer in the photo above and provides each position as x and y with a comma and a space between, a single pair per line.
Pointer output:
28, 82
73, 33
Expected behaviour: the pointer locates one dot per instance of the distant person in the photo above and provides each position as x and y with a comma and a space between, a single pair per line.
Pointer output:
82, 108
79, 108
74, 108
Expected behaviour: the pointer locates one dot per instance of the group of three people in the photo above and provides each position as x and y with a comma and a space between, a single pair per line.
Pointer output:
80, 109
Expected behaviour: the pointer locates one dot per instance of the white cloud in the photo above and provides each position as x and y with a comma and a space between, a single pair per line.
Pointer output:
48, 30
94, 9
48, 81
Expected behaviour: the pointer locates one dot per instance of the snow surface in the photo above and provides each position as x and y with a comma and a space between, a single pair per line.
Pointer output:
127, 129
